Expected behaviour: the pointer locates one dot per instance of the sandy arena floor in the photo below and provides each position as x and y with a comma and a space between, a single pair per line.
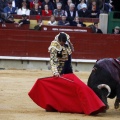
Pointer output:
15, 103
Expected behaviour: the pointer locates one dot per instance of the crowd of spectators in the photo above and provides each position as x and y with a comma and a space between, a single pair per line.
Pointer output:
69, 10
56, 7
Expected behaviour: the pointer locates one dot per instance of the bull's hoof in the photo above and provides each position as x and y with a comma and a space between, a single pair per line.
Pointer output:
105, 110
116, 105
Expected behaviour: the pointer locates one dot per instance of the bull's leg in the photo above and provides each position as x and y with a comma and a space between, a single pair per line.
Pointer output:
116, 105
117, 101
102, 94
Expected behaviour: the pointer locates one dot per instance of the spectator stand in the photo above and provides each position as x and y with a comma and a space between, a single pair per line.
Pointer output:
33, 21
45, 19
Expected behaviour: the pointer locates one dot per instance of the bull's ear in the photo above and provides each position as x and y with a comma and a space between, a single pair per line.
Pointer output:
106, 87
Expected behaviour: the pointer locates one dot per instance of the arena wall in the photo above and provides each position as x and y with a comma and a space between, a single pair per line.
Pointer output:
19, 47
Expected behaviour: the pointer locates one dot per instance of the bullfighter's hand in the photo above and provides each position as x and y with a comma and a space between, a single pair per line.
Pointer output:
56, 74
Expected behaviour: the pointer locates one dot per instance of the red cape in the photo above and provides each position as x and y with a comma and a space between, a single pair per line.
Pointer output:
65, 94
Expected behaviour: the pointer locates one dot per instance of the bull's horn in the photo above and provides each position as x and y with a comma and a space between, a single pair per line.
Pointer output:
105, 86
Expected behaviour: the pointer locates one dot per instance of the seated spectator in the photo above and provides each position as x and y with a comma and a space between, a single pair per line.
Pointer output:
23, 9
63, 21
79, 6
19, 2
97, 30
67, 5
3, 4
71, 13
105, 7
99, 3
14, 3
58, 1
110, 5
9, 9
46, 11
33, 2
94, 12
23, 21
93, 4
84, 12
6, 18
49, 3
76, 22
116, 30
36, 10
38, 26
52, 21
58, 12
10, 19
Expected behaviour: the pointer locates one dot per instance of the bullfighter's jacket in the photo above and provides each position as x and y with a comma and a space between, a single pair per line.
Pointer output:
59, 54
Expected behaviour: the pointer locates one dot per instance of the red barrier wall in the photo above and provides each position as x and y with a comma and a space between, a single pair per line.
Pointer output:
32, 43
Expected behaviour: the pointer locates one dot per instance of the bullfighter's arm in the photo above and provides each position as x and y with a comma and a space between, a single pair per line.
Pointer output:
54, 61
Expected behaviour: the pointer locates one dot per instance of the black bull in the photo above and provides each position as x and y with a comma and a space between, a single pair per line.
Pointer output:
105, 80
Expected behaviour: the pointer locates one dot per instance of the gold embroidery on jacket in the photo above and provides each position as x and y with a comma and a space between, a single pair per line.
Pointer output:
56, 62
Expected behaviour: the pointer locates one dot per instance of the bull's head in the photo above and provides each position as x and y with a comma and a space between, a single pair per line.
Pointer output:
104, 92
